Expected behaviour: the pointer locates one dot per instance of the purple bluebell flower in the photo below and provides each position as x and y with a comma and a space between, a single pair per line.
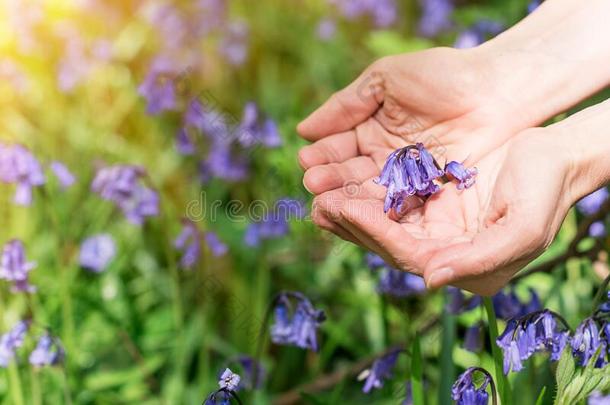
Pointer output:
597, 398
122, 184
158, 87
530, 334
380, 370
597, 229
229, 380
96, 252
296, 325
220, 397
591, 203
189, 243
184, 143
507, 305
222, 162
586, 341
605, 306
383, 12
408, 171
234, 46
435, 18
48, 352
327, 28
253, 130
19, 166
11, 341
458, 303
473, 338
395, 282
251, 369
217, 247
274, 224
15, 268
465, 392
466, 177
63, 174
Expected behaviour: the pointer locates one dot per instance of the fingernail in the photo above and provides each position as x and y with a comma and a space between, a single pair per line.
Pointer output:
306, 188
440, 277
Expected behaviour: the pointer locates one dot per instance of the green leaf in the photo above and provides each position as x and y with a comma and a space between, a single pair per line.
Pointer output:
501, 380
565, 369
540, 399
417, 385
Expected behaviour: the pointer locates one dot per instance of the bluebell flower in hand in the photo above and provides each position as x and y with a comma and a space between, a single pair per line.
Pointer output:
380, 370
466, 177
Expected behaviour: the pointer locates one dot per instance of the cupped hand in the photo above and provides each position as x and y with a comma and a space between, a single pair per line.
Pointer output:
477, 238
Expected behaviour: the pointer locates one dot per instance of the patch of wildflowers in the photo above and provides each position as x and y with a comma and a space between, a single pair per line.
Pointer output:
48, 352
158, 87
96, 252
383, 12
254, 130
11, 341
587, 341
380, 370
189, 243
15, 268
217, 247
19, 166
296, 321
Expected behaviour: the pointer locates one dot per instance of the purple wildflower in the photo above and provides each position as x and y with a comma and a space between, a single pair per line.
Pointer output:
184, 144
465, 392
19, 166
591, 203
63, 174
229, 380
48, 352
220, 397
223, 163
597, 398
383, 12
597, 229
275, 224
96, 252
507, 305
296, 325
122, 185
234, 46
327, 28
605, 306
158, 87
587, 341
11, 341
380, 370
253, 130
251, 369
473, 341
393, 281
189, 242
466, 177
15, 268
458, 303
217, 247
435, 18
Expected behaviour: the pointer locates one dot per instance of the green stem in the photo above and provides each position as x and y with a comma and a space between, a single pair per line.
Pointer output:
502, 382
447, 364
35, 387
15, 384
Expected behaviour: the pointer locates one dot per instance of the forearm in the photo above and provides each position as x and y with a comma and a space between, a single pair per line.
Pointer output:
551, 60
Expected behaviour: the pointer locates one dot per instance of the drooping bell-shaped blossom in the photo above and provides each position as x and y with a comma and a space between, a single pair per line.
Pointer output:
96, 252
380, 370
123, 185
11, 341
216, 246
458, 303
296, 321
225, 163
274, 224
465, 392
531, 334
48, 352
158, 87
466, 177
15, 268
20, 167
395, 282
408, 171
473, 338
591, 203
587, 341
507, 304
435, 17
63, 174
254, 129
184, 143
189, 243
234, 44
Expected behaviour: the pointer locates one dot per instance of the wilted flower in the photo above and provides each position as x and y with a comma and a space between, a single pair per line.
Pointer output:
48, 352
436, 17
14, 267
11, 341
380, 370
591, 203
19, 166
229, 380
296, 325
63, 174
217, 247
393, 281
189, 242
465, 392
122, 185
466, 177
96, 252
532, 333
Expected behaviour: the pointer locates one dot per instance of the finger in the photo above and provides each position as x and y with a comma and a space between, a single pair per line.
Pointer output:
348, 107
335, 148
320, 179
501, 247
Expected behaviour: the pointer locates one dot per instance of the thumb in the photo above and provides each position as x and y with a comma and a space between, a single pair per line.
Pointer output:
346, 108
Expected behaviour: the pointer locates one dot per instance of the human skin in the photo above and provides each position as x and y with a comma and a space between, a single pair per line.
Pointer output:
465, 105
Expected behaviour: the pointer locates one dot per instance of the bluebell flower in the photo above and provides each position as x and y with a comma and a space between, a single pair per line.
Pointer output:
274, 224
20, 167
466, 177
435, 17
380, 370
395, 282
597, 229
96, 252
473, 338
507, 305
383, 12
63, 174
189, 243
254, 129
327, 28
458, 302
591, 203
48, 352
296, 325
158, 87
184, 144
251, 369
229, 380
220, 397
15, 268
122, 185
586, 341
465, 392
217, 247
11, 341
234, 44
224, 163
605, 306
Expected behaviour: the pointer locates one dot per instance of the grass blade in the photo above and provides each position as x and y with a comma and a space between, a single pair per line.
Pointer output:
417, 384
